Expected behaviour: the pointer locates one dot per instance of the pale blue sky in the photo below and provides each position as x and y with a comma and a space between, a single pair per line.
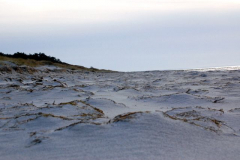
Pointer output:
125, 35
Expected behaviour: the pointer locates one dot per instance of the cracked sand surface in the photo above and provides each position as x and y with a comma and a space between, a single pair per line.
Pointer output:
137, 115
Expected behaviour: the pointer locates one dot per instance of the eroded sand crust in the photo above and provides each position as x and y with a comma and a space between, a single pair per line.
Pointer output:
138, 115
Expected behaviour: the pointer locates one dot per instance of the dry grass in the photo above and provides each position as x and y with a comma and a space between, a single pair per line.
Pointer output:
34, 63
20, 61
124, 117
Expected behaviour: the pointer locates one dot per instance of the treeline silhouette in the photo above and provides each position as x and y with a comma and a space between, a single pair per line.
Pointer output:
36, 56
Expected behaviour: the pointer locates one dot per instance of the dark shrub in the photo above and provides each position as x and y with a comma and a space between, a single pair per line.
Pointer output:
36, 56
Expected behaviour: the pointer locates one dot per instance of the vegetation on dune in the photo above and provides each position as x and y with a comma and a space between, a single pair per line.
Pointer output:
36, 56
40, 59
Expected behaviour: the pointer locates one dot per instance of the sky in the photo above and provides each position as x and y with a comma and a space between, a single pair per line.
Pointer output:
125, 35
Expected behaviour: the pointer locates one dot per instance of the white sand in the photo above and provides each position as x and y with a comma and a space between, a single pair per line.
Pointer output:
178, 115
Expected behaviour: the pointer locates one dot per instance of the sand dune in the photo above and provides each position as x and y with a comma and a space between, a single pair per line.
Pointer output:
192, 114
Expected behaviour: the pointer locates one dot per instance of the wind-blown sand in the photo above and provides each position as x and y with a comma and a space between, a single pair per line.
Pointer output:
180, 115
